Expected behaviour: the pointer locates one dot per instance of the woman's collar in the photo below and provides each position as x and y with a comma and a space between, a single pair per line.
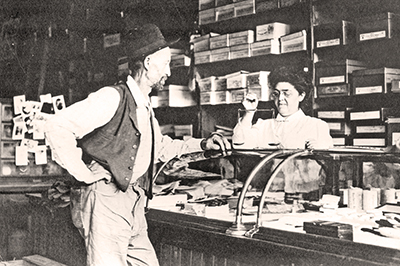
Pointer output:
298, 114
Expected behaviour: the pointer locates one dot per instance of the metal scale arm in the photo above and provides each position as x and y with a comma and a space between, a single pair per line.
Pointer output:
238, 228
295, 154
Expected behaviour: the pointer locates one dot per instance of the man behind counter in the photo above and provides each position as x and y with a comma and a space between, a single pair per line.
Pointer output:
116, 128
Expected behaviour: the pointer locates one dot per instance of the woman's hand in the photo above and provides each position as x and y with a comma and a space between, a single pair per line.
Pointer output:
250, 102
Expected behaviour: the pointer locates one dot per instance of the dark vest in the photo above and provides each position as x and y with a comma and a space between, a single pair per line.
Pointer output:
115, 144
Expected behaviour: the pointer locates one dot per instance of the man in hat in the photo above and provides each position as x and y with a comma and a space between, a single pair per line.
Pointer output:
115, 129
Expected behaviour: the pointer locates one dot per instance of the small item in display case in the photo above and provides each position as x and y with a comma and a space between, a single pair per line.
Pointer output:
240, 51
336, 72
378, 80
334, 34
333, 90
222, 54
245, 8
225, 12
266, 47
273, 30
294, 42
167, 200
241, 37
330, 229
379, 26
220, 41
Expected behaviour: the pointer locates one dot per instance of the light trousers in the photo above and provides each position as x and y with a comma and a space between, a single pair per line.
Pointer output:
113, 225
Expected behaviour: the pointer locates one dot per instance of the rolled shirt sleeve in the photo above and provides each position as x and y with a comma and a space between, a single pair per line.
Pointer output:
168, 148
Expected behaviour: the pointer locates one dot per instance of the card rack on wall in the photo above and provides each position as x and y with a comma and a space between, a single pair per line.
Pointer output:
23, 153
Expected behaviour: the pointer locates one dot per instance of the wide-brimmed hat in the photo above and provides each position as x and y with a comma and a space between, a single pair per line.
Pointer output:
144, 40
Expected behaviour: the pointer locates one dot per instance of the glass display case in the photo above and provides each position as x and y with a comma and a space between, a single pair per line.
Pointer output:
340, 202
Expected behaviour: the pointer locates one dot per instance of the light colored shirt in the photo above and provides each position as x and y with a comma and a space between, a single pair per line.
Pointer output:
291, 132
63, 129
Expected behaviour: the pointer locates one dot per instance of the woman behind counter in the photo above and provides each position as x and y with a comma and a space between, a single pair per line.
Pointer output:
291, 129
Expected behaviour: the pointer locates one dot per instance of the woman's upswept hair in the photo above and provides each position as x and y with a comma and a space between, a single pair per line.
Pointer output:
300, 79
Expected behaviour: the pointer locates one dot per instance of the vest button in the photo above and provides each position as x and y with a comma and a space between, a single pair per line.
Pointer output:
137, 134
132, 158
134, 146
130, 167
126, 178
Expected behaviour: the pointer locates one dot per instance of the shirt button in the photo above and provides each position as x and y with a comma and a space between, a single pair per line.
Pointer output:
132, 158
134, 146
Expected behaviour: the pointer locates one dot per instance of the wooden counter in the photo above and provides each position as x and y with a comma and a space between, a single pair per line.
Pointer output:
182, 240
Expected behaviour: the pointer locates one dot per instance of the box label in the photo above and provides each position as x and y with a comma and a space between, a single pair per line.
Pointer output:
338, 141
331, 114
327, 43
112, 40
335, 126
373, 35
365, 115
379, 142
370, 129
367, 90
333, 79
293, 47
333, 90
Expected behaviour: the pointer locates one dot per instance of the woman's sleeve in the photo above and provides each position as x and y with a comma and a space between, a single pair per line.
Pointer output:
325, 140
245, 136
